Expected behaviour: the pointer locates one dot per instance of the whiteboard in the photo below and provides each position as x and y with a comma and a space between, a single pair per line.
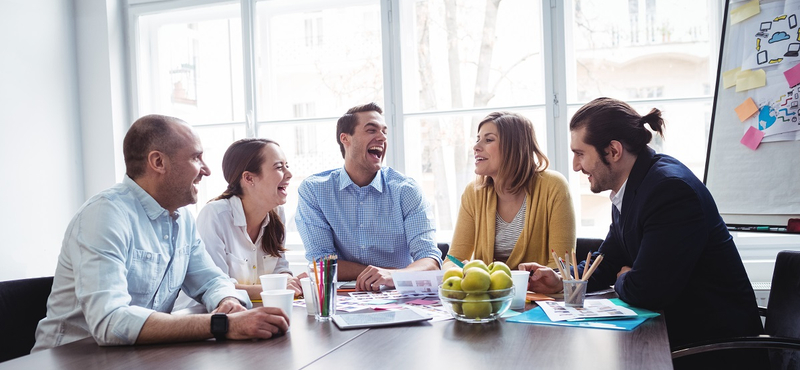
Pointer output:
762, 186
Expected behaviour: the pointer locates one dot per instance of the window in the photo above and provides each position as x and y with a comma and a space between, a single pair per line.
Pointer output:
461, 60
663, 58
287, 69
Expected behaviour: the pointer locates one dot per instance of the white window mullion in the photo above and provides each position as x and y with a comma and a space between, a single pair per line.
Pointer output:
392, 81
555, 64
248, 50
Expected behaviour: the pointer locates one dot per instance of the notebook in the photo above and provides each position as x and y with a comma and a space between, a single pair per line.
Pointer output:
373, 319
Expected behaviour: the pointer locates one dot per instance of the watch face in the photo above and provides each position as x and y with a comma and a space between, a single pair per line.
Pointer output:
219, 325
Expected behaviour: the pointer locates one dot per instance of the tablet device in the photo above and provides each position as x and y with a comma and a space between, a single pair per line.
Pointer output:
373, 319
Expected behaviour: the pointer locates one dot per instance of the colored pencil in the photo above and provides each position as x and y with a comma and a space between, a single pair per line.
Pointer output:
596, 263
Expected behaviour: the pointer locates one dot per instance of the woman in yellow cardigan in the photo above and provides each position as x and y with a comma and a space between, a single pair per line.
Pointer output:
516, 211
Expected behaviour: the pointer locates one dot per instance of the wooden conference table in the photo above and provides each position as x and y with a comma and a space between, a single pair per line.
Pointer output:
429, 345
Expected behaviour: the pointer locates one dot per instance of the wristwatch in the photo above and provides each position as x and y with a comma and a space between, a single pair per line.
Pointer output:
219, 326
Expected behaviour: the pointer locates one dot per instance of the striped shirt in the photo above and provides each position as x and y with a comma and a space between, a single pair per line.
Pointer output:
387, 223
507, 233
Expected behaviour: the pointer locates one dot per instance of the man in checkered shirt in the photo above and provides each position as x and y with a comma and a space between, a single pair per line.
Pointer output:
375, 219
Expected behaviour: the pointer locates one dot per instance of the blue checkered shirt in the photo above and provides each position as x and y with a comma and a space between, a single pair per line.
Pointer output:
387, 223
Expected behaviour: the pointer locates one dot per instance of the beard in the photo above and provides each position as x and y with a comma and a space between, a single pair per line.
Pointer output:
601, 179
180, 192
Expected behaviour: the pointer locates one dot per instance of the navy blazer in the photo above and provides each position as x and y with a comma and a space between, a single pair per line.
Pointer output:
683, 260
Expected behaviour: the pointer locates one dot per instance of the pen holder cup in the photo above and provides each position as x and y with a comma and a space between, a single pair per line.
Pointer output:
574, 292
323, 289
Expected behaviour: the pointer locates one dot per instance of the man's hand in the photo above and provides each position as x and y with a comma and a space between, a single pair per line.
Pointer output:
373, 277
229, 305
258, 323
543, 279
623, 270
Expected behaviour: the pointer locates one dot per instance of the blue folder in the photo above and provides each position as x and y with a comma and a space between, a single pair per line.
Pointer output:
537, 316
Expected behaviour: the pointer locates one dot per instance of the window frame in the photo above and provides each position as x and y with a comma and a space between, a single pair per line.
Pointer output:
556, 32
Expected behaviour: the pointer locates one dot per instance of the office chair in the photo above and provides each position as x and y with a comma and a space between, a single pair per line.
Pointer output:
782, 320
585, 245
444, 247
22, 304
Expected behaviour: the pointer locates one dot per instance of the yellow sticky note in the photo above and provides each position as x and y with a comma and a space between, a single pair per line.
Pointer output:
729, 77
746, 109
745, 11
750, 79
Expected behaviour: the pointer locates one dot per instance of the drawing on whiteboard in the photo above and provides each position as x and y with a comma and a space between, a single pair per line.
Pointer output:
774, 39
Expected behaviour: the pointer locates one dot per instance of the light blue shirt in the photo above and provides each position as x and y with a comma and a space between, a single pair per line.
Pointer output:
123, 258
387, 223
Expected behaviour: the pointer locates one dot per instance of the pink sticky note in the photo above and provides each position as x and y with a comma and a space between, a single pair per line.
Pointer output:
793, 75
752, 138
746, 109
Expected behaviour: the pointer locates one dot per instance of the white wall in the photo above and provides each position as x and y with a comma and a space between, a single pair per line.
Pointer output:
41, 172
102, 83
63, 114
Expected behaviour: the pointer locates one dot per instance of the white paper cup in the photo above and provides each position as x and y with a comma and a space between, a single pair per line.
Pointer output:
274, 281
520, 279
279, 298
306, 284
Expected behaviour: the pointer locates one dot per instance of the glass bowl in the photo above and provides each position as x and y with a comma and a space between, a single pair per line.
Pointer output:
476, 308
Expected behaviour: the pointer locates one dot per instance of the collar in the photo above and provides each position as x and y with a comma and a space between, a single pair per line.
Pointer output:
149, 204
345, 180
616, 197
237, 210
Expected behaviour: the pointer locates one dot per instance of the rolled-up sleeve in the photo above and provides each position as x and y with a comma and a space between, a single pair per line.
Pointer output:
205, 281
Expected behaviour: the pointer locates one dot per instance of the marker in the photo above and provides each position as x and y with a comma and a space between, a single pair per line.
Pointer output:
456, 261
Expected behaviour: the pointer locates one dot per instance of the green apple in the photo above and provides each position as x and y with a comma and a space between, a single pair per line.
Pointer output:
496, 306
499, 280
457, 308
476, 280
475, 263
451, 288
477, 306
453, 271
499, 266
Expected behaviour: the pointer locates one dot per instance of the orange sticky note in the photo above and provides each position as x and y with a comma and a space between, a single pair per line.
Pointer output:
752, 138
746, 109
531, 296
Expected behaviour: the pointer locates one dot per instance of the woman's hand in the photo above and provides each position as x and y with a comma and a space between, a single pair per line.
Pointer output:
293, 283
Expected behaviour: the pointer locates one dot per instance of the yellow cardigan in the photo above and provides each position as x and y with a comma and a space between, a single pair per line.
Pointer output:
549, 223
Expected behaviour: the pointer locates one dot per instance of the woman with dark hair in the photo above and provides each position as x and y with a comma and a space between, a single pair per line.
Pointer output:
243, 228
516, 211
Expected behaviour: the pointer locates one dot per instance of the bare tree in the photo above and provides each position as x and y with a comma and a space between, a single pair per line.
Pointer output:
482, 93
427, 97
461, 152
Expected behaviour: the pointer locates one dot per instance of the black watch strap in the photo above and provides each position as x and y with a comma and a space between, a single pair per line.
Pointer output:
219, 326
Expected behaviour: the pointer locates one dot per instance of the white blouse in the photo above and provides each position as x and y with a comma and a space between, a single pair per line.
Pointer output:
223, 229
